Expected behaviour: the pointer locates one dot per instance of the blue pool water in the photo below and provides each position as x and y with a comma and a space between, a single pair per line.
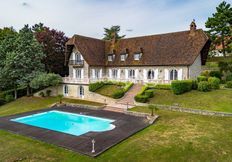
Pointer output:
70, 123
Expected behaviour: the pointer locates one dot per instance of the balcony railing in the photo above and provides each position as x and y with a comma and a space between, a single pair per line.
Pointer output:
76, 62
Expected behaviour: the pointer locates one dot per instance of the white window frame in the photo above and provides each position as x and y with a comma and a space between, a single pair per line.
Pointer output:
78, 73
131, 74
173, 74
65, 90
150, 74
137, 56
114, 73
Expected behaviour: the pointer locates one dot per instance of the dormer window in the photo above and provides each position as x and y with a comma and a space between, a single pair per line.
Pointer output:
111, 57
137, 56
123, 56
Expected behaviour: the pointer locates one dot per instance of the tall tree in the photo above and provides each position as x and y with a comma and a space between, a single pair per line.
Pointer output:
53, 43
219, 26
5, 32
113, 32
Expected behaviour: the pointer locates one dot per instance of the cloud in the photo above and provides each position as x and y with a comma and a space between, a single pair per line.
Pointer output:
89, 18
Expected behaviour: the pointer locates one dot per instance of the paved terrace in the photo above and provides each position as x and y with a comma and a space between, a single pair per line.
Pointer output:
126, 126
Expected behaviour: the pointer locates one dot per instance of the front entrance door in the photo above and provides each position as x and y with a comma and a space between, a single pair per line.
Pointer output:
81, 92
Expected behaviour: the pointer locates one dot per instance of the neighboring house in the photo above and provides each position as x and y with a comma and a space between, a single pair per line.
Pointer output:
156, 58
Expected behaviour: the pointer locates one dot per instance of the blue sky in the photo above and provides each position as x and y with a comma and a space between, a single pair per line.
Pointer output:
89, 17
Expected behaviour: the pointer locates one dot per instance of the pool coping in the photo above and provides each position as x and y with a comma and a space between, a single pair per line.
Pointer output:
126, 126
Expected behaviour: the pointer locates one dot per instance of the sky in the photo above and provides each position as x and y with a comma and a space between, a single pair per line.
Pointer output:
89, 17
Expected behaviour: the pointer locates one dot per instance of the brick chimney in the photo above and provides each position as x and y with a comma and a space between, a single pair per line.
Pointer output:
193, 27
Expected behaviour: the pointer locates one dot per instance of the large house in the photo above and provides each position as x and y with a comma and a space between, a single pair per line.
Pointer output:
156, 58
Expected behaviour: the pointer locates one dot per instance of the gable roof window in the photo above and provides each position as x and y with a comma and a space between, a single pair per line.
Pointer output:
111, 57
123, 56
137, 56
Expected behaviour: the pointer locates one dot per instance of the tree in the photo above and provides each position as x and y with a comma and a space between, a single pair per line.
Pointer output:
5, 32
53, 43
113, 32
152, 108
220, 27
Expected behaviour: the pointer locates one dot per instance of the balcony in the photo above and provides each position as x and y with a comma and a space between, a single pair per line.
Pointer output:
70, 80
79, 63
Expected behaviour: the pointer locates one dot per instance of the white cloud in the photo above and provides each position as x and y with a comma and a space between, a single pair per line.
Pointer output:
89, 17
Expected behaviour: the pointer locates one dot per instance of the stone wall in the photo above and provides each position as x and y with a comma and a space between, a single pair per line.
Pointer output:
195, 68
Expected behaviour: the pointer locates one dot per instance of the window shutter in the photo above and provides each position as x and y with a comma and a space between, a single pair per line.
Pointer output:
82, 73
100, 73
180, 74
119, 73
93, 73
81, 57
166, 74
136, 73
74, 73
156, 74
145, 74
126, 73
73, 56
110, 73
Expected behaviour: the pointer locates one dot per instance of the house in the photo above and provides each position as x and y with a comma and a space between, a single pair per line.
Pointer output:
156, 58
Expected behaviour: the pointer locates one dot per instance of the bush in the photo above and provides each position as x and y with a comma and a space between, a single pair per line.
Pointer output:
229, 77
2, 101
127, 86
181, 86
229, 84
118, 94
194, 85
214, 82
9, 98
149, 93
141, 98
163, 86
48, 92
95, 86
41, 94
205, 73
216, 74
204, 86
201, 78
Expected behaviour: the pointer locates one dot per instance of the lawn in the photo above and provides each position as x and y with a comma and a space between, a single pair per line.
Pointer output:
217, 100
175, 137
25, 104
107, 90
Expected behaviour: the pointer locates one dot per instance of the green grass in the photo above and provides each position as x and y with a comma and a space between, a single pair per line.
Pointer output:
25, 104
216, 100
175, 137
107, 90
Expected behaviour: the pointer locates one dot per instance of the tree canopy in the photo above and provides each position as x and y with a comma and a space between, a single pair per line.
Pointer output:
220, 27
112, 32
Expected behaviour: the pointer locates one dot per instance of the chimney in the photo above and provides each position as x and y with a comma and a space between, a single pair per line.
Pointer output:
113, 42
193, 27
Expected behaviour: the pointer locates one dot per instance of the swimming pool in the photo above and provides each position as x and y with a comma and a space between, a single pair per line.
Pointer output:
65, 122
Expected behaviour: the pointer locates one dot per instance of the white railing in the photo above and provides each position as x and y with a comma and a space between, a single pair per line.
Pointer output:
75, 80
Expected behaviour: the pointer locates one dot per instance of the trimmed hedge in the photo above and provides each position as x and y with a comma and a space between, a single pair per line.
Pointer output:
214, 82
141, 98
163, 86
229, 84
201, 78
194, 86
204, 86
181, 86
216, 74
149, 93
95, 86
118, 94
127, 86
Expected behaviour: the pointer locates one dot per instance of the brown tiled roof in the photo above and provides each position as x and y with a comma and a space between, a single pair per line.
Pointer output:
179, 48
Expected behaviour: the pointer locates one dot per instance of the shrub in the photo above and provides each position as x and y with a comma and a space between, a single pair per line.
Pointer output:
41, 94
201, 78
9, 98
141, 98
229, 77
181, 86
48, 92
60, 96
127, 86
163, 86
229, 84
204, 86
95, 86
214, 82
118, 94
205, 73
149, 93
216, 74
143, 89
194, 85
2, 101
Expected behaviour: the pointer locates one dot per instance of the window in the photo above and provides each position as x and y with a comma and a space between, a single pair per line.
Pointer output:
111, 57
78, 73
78, 57
115, 73
137, 56
97, 73
150, 74
173, 75
65, 90
131, 74
123, 56
81, 91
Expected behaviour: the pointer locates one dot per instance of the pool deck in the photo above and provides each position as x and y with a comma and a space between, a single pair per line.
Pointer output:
126, 126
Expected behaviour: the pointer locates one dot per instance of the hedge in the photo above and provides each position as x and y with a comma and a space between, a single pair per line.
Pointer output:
95, 86
149, 93
204, 86
216, 74
141, 98
201, 78
229, 84
214, 82
181, 86
127, 86
163, 86
194, 86
144, 94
